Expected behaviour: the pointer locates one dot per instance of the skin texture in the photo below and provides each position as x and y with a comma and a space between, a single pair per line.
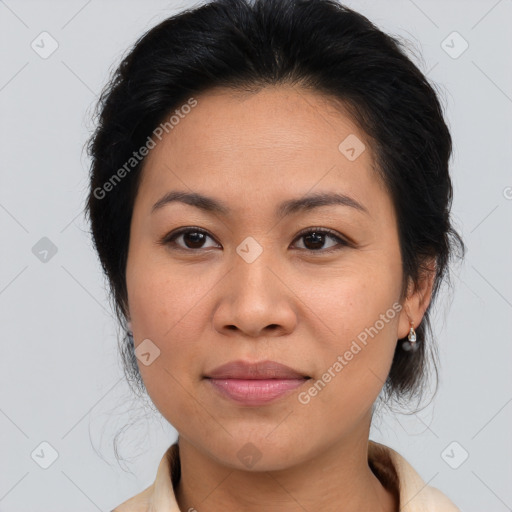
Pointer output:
205, 306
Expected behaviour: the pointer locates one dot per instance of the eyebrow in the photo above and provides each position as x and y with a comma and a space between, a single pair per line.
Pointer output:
289, 207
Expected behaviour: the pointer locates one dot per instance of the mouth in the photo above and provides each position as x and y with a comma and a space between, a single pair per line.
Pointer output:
253, 371
255, 383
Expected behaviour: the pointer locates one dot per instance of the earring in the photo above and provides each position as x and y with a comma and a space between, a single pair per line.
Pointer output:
412, 334
411, 345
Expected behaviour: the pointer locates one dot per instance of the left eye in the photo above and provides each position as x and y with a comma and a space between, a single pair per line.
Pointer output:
314, 239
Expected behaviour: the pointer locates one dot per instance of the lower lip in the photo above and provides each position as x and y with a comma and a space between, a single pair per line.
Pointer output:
255, 391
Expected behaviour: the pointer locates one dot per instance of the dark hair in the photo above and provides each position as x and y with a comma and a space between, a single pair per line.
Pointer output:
316, 44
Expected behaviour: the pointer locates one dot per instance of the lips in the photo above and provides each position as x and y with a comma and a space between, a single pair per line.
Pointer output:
255, 384
258, 370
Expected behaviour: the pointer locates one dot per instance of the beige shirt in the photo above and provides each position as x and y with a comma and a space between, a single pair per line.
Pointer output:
388, 465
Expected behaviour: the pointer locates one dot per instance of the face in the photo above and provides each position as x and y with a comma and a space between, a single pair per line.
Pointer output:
314, 288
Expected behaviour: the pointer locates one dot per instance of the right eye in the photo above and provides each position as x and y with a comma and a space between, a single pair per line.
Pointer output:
193, 239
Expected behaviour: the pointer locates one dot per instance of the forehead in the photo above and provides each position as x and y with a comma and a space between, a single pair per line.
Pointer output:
281, 140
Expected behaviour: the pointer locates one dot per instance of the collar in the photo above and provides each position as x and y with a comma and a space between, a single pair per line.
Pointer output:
390, 467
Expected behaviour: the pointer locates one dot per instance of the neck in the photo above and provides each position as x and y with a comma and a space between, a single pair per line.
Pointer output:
338, 479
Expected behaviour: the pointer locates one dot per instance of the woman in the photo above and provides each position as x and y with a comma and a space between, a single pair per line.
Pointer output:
270, 201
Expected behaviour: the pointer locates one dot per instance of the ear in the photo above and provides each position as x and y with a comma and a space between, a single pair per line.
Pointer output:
418, 298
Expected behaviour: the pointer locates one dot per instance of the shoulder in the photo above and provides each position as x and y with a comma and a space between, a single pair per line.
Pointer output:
138, 503
160, 494
436, 501
414, 494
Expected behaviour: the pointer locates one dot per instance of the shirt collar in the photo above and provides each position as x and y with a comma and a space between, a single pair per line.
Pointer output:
389, 465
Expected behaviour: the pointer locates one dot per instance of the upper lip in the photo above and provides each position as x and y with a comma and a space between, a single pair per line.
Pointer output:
258, 370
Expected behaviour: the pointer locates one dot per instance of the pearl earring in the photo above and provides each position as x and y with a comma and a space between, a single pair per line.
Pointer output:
411, 345
412, 334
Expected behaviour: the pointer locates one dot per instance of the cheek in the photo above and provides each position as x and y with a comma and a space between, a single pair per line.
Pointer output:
361, 308
163, 298
352, 299
165, 305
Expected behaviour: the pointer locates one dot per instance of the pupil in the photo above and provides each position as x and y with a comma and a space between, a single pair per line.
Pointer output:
316, 238
194, 238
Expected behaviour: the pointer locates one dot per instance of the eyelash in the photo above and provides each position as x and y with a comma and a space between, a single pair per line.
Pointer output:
170, 238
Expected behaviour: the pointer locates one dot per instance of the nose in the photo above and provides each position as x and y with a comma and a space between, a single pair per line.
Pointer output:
254, 300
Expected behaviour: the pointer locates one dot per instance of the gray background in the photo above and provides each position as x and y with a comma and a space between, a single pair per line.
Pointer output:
61, 379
